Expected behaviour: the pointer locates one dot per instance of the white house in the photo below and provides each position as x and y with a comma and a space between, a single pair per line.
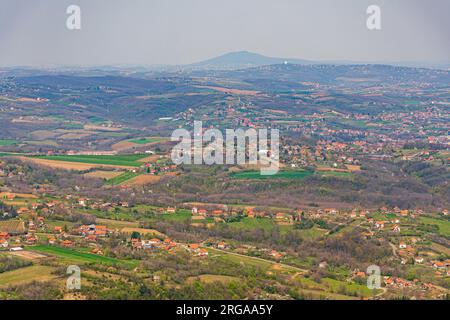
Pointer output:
418, 259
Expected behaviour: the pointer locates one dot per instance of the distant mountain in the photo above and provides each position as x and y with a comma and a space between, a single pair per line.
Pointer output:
240, 60
245, 59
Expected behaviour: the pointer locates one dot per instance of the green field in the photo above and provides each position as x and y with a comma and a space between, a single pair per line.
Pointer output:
121, 178
253, 223
129, 160
211, 278
297, 174
444, 226
97, 120
440, 249
121, 214
353, 123
8, 142
27, 274
247, 260
78, 257
8, 154
345, 288
338, 174
147, 140
116, 224
310, 234
179, 215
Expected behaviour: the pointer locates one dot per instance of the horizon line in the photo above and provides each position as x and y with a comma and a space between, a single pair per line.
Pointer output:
401, 63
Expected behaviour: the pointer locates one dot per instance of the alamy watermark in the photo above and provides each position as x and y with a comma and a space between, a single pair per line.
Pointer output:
73, 21
74, 280
239, 147
373, 277
373, 21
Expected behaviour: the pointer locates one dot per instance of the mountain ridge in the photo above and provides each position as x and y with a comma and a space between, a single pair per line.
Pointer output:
243, 59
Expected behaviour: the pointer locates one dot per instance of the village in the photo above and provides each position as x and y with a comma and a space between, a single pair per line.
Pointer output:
37, 225
362, 184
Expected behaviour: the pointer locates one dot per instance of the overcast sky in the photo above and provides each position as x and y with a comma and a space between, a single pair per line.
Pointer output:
34, 33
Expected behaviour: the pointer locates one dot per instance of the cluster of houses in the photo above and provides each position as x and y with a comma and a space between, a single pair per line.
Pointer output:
167, 245
197, 250
394, 225
4, 237
338, 154
287, 218
154, 243
92, 232
442, 267
89, 234
408, 253
358, 274
220, 214
327, 149
97, 204
217, 214
398, 283
19, 235
55, 235
246, 249
153, 168
71, 202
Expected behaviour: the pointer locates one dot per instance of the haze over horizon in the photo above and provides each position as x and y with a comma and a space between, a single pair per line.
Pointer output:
157, 32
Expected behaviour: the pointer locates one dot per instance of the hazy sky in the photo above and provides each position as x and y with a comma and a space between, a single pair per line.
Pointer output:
34, 33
